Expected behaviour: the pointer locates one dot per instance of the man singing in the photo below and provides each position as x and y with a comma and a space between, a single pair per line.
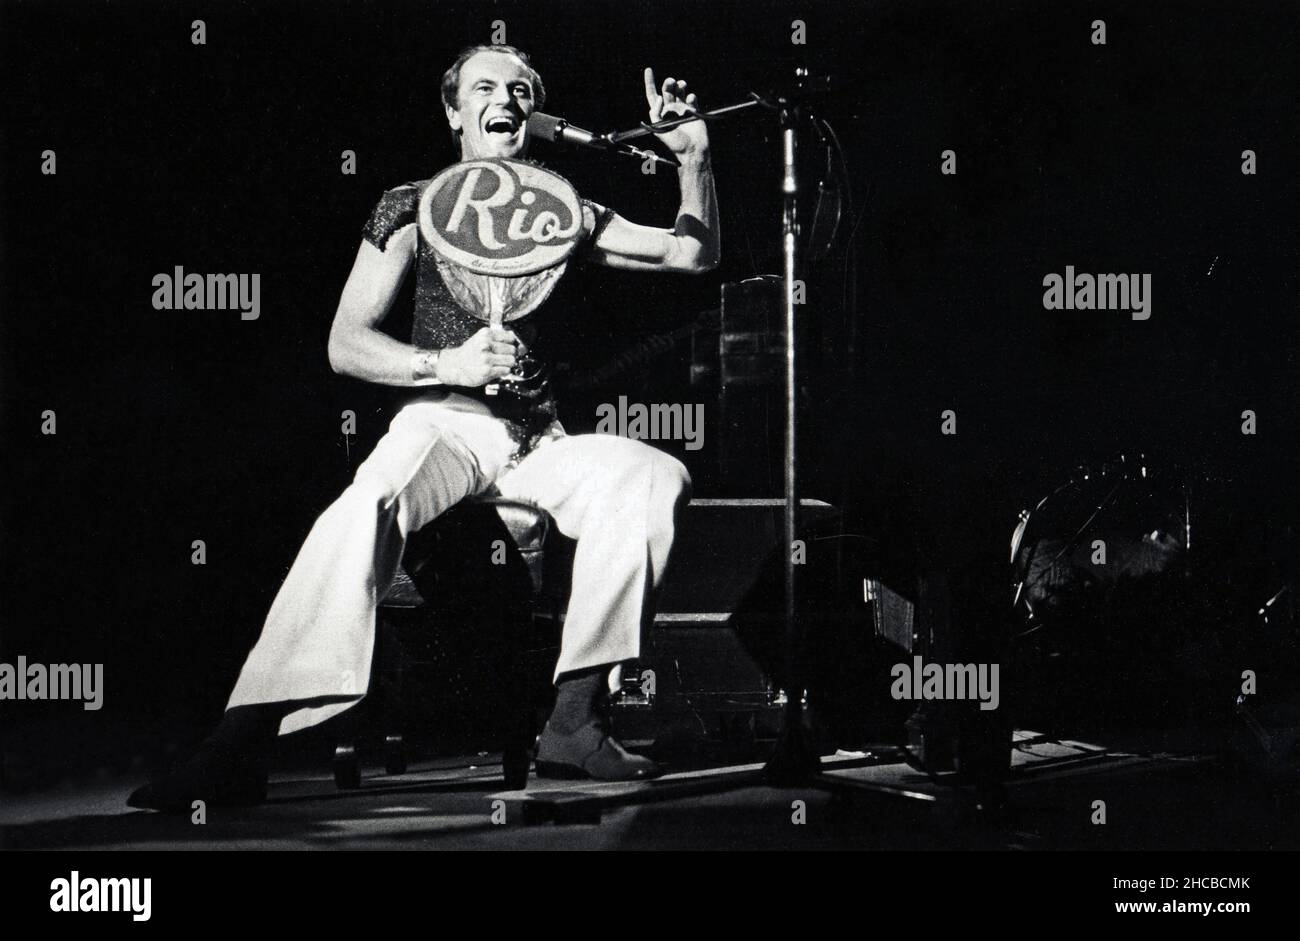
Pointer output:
617, 497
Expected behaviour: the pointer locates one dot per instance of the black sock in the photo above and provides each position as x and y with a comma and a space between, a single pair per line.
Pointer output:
575, 699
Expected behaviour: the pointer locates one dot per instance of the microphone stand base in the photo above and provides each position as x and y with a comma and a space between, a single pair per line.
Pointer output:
793, 761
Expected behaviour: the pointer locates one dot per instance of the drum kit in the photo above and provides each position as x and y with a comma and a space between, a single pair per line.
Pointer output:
1133, 600
1107, 527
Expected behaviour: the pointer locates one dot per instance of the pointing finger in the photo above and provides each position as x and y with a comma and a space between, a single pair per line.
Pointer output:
651, 95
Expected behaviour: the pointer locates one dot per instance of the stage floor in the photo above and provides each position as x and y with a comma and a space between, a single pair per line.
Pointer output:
1153, 800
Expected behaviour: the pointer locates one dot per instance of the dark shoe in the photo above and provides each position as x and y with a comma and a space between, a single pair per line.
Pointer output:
590, 752
228, 769
210, 777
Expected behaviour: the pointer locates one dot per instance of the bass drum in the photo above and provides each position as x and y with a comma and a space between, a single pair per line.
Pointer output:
1109, 619
1106, 530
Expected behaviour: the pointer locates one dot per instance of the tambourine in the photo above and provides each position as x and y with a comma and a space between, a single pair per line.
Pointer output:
501, 231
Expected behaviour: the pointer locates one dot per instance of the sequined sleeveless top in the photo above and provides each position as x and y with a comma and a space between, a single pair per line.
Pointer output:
439, 322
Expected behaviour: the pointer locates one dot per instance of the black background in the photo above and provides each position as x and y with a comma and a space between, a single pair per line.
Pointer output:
183, 425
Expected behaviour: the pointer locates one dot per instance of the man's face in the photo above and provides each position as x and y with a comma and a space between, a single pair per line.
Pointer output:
495, 98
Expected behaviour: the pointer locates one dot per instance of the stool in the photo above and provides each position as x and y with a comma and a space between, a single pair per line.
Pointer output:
500, 567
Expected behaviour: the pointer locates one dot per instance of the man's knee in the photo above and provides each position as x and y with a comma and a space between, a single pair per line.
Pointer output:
373, 491
631, 461
671, 478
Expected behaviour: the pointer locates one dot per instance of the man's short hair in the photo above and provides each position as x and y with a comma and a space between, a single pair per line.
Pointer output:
451, 78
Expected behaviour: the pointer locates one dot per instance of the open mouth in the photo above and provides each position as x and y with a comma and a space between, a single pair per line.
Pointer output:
502, 127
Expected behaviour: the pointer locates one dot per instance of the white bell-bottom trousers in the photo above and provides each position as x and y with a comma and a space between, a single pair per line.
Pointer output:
617, 497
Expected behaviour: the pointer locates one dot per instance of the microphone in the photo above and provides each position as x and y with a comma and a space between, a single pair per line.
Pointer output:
550, 128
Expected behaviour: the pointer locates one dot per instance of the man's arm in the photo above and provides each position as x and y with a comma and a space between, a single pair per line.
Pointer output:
358, 348
692, 245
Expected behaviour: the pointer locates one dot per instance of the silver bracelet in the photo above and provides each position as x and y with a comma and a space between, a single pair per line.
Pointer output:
424, 367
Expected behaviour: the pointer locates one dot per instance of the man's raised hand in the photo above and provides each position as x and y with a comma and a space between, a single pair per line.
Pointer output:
672, 100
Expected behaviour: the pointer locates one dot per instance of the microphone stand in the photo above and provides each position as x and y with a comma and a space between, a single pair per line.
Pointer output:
793, 760
617, 141
643, 129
